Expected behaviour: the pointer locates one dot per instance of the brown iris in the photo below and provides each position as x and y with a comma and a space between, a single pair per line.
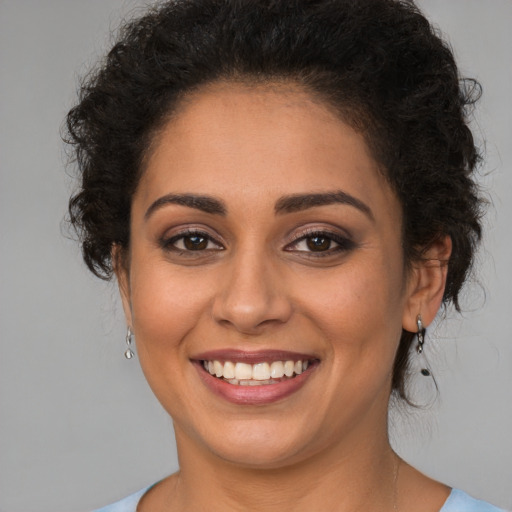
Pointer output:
318, 243
195, 242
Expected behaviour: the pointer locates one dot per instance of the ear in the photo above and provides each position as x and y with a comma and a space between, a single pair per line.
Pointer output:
121, 270
426, 284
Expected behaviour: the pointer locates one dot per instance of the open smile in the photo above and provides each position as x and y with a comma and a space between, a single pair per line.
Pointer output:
254, 378
259, 374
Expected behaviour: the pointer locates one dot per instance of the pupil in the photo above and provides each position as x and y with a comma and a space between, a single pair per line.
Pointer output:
318, 243
195, 243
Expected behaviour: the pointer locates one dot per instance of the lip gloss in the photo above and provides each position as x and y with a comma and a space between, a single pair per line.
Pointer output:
253, 357
254, 395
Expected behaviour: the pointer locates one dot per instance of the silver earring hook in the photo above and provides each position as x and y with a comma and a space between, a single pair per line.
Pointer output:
421, 340
129, 352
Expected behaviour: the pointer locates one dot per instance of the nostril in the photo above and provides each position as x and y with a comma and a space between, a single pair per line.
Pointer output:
251, 315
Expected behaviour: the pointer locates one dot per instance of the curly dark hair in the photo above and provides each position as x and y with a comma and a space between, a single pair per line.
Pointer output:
378, 63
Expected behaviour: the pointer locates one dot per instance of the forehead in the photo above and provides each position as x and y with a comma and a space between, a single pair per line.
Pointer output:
277, 139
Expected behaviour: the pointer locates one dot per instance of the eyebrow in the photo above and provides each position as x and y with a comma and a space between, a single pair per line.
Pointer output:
299, 202
205, 204
285, 204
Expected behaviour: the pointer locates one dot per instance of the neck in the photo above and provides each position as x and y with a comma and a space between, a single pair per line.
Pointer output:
360, 474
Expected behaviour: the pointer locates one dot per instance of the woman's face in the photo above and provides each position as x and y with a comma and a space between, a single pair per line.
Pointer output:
263, 234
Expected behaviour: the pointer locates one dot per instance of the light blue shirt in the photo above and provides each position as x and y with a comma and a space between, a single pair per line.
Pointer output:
458, 501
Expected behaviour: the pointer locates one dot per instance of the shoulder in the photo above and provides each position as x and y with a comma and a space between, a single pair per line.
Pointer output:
128, 504
459, 501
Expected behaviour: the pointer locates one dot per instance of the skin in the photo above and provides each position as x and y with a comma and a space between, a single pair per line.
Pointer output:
257, 285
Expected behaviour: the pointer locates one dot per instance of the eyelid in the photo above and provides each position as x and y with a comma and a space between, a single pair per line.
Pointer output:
167, 241
344, 242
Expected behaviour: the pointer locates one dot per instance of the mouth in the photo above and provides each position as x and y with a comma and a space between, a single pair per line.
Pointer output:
254, 378
260, 374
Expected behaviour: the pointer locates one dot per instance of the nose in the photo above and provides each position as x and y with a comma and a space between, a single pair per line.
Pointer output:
253, 295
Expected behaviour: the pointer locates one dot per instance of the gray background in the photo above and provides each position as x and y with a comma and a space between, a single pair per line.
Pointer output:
78, 425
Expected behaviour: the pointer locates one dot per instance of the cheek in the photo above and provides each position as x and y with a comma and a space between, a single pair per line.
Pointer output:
166, 304
359, 307
166, 307
359, 314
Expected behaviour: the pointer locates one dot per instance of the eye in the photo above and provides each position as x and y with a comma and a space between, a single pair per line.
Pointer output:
320, 243
192, 241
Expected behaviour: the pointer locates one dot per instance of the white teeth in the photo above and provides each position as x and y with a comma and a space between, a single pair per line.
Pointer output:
244, 374
243, 371
229, 370
261, 371
289, 366
218, 368
277, 369
253, 382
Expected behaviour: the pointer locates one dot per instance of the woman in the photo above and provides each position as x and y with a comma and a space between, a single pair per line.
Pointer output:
284, 193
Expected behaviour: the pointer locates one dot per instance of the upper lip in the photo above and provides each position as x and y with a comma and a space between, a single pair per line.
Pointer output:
252, 357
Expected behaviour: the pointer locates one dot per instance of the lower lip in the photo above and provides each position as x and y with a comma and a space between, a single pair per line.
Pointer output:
254, 395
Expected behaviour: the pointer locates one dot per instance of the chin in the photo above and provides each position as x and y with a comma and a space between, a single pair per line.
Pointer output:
258, 444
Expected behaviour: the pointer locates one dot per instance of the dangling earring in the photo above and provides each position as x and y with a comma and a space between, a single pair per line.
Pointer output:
129, 352
421, 340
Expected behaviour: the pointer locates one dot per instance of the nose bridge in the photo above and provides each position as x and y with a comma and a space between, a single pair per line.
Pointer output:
252, 294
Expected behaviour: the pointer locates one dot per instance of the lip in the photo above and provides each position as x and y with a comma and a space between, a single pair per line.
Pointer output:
252, 357
253, 395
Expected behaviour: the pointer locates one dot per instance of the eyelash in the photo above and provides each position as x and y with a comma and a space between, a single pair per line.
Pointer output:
169, 243
343, 244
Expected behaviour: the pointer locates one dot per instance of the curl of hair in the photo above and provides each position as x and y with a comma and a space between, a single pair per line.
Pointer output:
379, 63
